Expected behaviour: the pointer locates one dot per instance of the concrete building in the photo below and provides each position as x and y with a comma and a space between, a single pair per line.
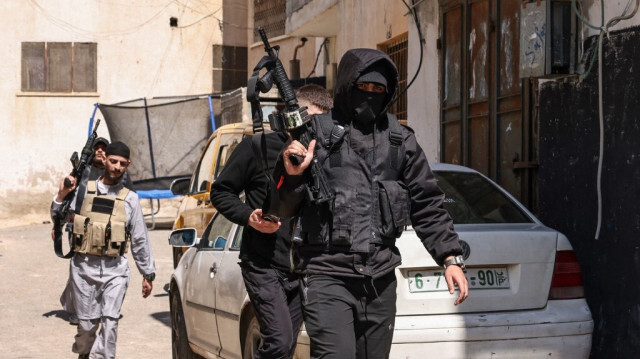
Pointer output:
60, 57
502, 93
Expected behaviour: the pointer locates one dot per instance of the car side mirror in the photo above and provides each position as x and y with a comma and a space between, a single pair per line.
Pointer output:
180, 186
184, 237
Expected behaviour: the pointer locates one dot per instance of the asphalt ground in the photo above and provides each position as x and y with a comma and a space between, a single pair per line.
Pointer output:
32, 322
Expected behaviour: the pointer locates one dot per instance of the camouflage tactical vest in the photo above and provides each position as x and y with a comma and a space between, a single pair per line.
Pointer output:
101, 226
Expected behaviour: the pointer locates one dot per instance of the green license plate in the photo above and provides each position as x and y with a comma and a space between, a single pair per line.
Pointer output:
478, 278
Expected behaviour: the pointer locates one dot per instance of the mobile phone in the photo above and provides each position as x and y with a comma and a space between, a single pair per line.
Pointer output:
270, 218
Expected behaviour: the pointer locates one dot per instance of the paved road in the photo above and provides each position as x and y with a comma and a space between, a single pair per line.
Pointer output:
32, 323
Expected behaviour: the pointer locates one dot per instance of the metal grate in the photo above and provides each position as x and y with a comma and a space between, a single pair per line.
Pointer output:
397, 49
271, 16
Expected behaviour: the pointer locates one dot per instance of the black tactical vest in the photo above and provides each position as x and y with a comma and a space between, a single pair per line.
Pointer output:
371, 204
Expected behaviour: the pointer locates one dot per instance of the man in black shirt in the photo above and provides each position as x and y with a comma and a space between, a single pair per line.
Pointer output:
264, 252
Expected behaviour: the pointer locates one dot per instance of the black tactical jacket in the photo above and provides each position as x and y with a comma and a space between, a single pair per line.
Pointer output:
378, 189
244, 173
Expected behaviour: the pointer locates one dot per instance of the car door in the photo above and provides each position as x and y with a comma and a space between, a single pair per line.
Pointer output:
196, 201
230, 297
200, 288
226, 143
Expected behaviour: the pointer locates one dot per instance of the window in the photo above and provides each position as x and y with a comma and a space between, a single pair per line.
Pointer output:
201, 181
397, 49
225, 151
470, 199
229, 67
59, 67
217, 233
237, 241
271, 15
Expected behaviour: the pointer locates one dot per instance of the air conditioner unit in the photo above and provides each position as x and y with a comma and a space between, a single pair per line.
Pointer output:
548, 38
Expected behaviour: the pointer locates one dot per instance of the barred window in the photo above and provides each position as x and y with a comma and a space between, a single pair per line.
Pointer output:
398, 49
271, 16
59, 67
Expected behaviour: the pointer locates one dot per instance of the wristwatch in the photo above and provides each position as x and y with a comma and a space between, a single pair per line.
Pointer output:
150, 277
457, 260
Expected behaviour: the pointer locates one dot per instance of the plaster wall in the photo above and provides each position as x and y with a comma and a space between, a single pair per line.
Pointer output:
368, 23
424, 95
138, 55
592, 12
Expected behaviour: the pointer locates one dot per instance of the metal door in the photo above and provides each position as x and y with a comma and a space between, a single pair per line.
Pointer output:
484, 119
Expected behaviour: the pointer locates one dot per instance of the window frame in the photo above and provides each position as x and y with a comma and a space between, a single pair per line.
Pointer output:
59, 68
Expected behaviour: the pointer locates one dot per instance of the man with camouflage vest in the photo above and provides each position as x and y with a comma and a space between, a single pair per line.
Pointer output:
109, 220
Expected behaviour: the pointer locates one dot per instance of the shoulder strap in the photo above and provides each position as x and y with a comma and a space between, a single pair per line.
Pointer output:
332, 134
326, 124
91, 187
395, 138
271, 199
122, 194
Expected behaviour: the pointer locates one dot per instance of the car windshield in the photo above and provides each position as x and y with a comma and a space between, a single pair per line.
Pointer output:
471, 199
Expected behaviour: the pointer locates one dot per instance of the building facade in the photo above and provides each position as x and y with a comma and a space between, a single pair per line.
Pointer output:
60, 57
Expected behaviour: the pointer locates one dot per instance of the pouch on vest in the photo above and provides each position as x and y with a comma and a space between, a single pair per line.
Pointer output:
309, 227
81, 229
343, 218
117, 245
394, 208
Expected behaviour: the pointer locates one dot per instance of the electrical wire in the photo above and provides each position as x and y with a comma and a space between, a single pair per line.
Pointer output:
420, 40
203, 18
324, 44
605, 30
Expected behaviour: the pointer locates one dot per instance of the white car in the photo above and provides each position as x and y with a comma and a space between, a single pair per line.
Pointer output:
526, 296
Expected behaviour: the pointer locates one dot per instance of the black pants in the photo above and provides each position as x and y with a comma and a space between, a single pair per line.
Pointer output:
349, 317
275, 297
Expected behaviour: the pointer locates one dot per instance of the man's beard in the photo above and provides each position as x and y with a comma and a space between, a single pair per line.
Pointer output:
113, 180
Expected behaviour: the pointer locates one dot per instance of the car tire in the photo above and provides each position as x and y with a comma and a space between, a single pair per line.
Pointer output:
252, 339
179, 342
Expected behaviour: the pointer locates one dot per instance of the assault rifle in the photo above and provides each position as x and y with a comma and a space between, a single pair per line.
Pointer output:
78, 164
293, 120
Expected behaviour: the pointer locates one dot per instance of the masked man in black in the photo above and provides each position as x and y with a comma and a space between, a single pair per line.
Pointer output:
345, 248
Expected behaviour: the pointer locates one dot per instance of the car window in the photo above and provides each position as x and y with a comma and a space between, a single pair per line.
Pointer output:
217, 233
237, 240
228, 143
471, 198
201, 180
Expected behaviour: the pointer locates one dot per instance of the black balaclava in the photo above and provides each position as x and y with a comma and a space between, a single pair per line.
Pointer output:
367, 106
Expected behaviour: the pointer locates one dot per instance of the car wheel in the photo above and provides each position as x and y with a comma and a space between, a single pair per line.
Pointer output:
179, 341
252, 339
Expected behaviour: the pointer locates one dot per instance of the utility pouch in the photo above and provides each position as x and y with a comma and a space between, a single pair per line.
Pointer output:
341, 234
118, 241
394, 208
95, 241
309, 229
81, 231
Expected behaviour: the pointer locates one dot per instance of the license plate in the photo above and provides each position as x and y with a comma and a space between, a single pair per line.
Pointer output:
478, 278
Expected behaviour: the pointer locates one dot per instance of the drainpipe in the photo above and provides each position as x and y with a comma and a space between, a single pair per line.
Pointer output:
294, 65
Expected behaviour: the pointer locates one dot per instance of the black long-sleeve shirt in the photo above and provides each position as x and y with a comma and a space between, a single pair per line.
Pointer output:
243, 172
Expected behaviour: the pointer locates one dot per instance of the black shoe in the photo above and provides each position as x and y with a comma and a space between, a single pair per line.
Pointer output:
83, 356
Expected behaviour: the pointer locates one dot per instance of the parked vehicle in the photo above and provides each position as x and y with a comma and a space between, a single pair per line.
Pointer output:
196, 210
526, 295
